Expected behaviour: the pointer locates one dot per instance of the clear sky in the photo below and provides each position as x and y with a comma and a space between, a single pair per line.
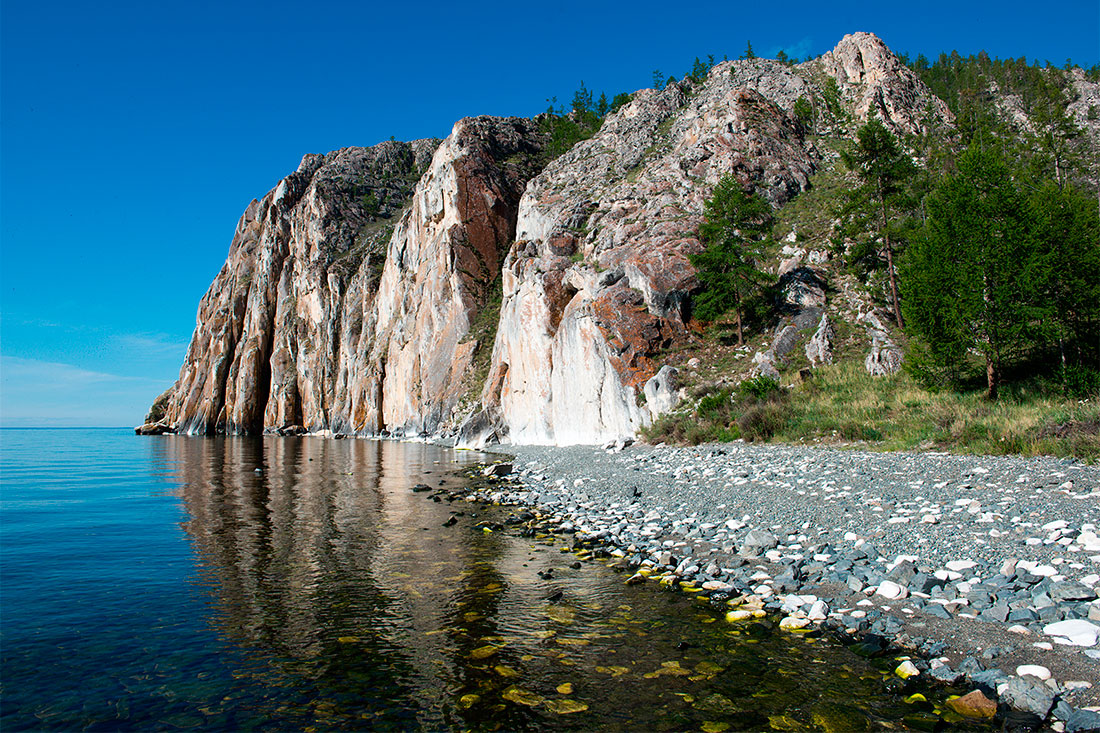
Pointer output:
133, 134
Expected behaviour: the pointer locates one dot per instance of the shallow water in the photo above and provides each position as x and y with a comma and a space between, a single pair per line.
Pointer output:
165, 583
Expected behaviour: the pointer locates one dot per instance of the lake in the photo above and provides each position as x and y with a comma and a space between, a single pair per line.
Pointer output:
300, 584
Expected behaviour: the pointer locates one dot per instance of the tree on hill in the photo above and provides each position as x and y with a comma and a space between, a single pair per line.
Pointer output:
968, 277
737, 224
884, 169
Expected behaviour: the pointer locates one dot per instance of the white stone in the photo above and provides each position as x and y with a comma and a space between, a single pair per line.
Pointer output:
819, 610
959, 566
891, 590
1018, 629
1075, 632
1034, 670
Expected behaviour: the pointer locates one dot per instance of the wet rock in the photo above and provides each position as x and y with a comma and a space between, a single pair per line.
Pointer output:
974, 705
944, 673
154, 429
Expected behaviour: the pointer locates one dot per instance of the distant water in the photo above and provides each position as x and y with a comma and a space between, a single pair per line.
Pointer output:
164, 583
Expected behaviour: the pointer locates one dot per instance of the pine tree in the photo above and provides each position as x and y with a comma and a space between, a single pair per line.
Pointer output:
737, 224
968, 278
582, 100
602, 106
748, 51
884, 169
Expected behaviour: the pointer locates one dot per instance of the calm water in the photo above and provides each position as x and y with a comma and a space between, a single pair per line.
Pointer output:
163, 583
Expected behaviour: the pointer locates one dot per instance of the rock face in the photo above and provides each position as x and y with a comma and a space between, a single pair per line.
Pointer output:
343, 303
873, 81
599, 279
361, 294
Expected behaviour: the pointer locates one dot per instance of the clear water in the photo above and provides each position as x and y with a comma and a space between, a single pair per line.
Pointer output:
164, 583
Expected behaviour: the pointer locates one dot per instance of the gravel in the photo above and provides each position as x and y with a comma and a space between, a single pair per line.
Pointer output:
982, 564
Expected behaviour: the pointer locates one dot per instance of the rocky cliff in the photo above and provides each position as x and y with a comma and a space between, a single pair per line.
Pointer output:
349, 287
347, 300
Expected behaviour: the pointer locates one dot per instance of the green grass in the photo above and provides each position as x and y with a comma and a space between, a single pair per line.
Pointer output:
813, 211
842, 404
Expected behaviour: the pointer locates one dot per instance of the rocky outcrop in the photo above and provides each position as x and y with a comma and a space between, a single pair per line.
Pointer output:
349, 287
874, 82
443, 259
599, 278
885, 356
819, 350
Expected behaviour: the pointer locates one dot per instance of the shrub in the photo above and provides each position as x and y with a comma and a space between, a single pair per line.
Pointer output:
762, 420
759, 387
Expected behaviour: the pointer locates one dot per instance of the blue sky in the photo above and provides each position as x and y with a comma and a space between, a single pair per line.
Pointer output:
132, 135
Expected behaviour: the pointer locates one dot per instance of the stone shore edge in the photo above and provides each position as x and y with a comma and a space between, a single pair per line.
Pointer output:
1029, 698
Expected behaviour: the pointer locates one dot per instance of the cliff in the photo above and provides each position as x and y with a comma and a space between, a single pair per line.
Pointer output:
349, 286
349, 300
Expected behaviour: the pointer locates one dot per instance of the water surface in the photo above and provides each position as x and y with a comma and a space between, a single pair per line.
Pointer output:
298, 583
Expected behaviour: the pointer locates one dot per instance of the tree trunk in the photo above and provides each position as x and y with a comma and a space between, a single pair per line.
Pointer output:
890, 258
740, 335
992, 378
893, 281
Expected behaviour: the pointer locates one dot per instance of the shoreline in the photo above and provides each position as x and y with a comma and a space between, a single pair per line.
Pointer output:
985, 568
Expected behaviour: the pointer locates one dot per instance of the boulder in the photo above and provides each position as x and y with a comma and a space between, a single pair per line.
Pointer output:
1031, 697
151, 428
661, 394
819, 350
757, 542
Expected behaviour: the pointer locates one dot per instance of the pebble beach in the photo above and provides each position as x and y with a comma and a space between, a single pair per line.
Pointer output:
986, 568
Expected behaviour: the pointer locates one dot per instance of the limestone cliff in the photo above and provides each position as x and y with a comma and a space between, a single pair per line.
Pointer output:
348, 287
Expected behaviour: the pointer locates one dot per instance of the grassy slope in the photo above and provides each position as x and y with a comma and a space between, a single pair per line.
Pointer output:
841, 404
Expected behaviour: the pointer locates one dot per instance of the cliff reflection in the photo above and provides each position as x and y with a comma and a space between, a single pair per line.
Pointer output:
326, 559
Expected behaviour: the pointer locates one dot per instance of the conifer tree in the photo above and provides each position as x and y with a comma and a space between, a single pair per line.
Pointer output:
602, 106
884, 169
968, 278
737, 224
1066, 226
